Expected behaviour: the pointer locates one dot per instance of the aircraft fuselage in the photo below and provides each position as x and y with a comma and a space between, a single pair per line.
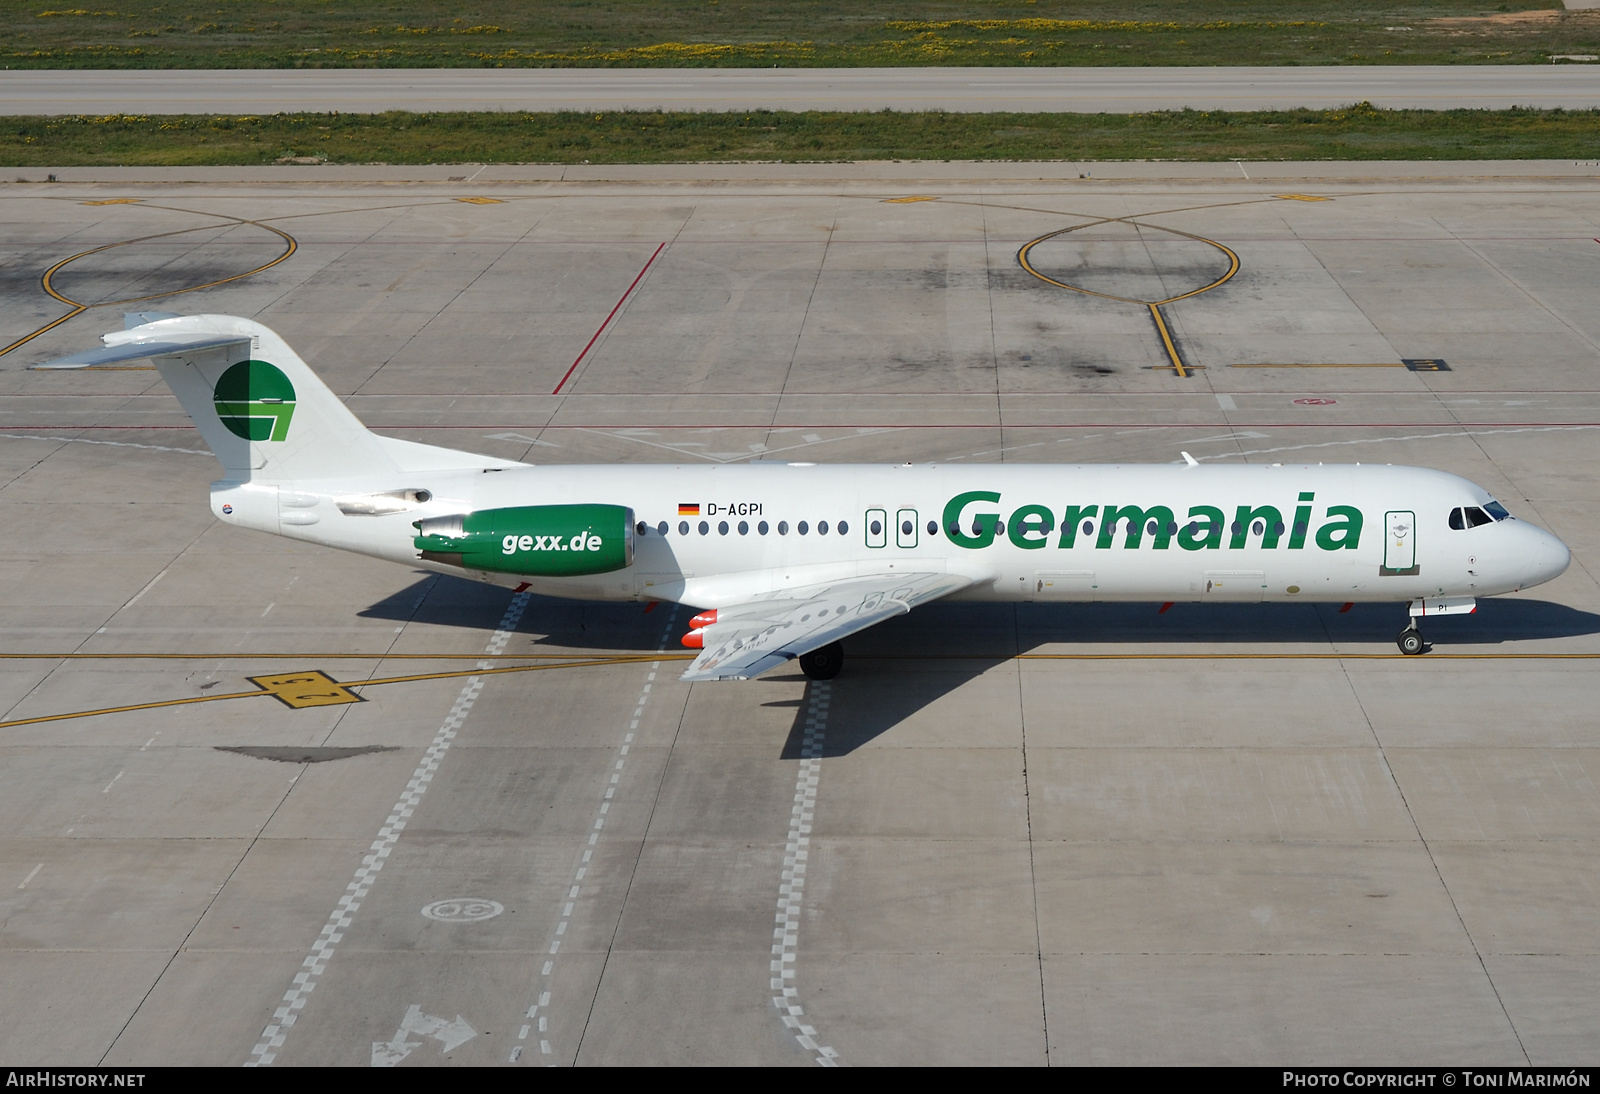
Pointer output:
710, 536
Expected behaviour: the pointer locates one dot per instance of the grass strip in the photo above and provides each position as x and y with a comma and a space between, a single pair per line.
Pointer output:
792, 33
1359, 132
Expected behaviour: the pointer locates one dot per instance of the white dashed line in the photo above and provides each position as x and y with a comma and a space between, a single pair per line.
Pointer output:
112, 444
140, 594
538, 1013
786, 936
31, 875
316, 962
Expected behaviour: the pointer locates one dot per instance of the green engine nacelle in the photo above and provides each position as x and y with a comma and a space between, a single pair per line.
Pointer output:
542, 540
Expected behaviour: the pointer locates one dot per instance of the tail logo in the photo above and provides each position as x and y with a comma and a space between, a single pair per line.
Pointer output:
255, 401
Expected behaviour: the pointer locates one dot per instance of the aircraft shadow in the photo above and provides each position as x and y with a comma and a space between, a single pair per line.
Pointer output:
895, 670
900, 667
1495, 621
445, 601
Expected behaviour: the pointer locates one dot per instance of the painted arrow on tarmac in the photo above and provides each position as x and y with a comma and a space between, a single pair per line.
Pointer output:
450, 1035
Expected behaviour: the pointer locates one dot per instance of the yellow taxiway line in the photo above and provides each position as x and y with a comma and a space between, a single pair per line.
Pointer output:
300, 689
351, 685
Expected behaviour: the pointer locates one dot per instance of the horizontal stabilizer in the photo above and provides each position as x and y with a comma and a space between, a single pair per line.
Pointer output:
131, 319
167, 346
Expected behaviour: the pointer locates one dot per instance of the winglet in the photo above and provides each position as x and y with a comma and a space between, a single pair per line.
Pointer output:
1190, 460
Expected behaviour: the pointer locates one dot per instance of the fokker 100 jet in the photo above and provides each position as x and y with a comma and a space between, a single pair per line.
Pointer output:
786, 559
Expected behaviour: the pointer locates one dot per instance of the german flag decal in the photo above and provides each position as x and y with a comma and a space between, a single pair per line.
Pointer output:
687, 510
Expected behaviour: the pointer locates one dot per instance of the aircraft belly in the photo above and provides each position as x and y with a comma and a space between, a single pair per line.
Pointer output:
1064, 585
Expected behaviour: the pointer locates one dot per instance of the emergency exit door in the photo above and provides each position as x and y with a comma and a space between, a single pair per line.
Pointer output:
905, 528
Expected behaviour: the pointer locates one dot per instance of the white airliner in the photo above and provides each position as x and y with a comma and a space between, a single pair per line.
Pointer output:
786, 559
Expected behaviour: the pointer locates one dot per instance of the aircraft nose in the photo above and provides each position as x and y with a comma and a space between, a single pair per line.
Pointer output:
1551, 559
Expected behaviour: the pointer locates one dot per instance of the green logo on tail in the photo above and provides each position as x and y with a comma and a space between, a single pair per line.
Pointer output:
255, 401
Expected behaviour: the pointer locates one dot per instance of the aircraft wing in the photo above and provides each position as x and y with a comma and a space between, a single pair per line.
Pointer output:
748, 639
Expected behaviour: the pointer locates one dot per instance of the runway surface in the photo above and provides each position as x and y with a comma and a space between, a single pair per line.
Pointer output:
1081, 90
1028, 834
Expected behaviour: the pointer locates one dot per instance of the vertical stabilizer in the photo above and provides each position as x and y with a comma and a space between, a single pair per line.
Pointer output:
262, 410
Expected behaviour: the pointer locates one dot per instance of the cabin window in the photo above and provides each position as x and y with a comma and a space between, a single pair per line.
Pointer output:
933, 527
744, 528
661, 529
1457, 522
1299, 529
705, 529
1497, 511
783, 527
1088, 527
641, 528
1277, 527
906, 528
802, 528
876, 528
1476, 516
1258, 527
683, 528
822, 527
722, 527
1172, 527
1236, 528
762, 527
844, 528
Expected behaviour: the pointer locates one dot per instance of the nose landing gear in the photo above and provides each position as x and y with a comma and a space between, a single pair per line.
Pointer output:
1410, 640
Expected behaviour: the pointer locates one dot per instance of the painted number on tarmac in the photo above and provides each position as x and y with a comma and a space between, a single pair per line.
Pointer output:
312, 688
466, 909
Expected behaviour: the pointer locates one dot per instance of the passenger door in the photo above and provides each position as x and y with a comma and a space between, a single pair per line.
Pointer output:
1400, 541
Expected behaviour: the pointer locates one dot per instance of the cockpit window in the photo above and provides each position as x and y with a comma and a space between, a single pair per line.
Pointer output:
1472, 516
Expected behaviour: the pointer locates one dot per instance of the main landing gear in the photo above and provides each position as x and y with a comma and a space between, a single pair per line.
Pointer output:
824, 663
1410, 640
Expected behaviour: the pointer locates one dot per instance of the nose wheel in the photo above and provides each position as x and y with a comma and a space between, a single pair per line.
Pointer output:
824, 663
1410, 640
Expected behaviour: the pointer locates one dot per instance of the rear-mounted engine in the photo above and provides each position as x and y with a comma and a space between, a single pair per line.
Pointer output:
538, 540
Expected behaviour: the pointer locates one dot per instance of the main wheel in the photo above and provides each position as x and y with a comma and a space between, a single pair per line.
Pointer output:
824, 663
1410, 641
